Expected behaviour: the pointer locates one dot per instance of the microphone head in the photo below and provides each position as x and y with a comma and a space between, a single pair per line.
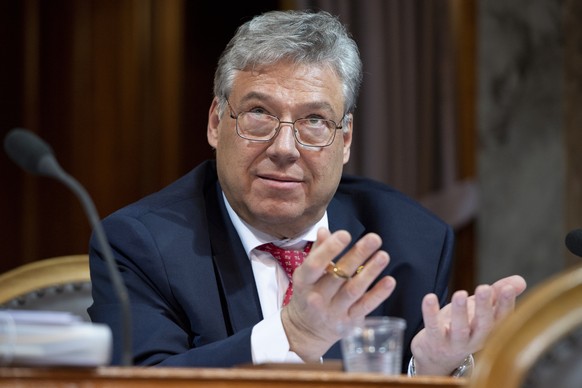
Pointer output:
27, 150
574, 242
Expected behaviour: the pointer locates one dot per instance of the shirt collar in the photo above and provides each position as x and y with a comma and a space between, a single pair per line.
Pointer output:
252, 238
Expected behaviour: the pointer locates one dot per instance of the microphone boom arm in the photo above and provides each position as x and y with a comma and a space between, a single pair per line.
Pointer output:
51, 166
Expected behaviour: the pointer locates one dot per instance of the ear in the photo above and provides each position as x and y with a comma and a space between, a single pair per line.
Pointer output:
213, 123
347, 136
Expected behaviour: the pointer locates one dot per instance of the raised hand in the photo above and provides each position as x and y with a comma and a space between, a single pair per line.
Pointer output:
461, 327
323, 303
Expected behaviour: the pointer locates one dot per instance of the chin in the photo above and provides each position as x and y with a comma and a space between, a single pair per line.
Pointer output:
278, 213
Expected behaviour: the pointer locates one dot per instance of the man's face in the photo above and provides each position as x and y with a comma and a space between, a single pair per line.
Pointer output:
280, 187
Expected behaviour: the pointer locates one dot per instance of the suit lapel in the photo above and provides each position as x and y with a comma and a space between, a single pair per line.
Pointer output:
342, 217
232, 265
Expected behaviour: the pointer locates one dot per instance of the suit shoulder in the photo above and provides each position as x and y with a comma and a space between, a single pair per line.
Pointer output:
354, 183
189, 188
358, 188
369, 196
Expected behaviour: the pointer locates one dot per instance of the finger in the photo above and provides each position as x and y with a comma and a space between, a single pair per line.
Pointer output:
459, 327
505, 303
430, 315
326, 248
372, 298
344, 269
322, 235
517, 282
336, 271
354, 288
483, 319
363, 249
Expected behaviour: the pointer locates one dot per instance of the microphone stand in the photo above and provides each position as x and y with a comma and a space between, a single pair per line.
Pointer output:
118, 285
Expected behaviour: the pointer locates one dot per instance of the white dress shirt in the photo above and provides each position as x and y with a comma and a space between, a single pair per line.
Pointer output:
268, 340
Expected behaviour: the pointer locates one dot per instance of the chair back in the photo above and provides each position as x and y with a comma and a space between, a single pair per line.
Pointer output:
55, 284
540, 343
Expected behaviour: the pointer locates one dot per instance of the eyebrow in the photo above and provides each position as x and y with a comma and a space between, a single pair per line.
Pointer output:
315, 105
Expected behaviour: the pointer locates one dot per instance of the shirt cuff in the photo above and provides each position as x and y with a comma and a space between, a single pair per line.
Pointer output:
269, 342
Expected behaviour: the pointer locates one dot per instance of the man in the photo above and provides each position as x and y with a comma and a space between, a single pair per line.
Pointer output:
203, 290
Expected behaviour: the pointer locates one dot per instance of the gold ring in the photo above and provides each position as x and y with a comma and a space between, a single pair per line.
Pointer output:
336, 271
360, 268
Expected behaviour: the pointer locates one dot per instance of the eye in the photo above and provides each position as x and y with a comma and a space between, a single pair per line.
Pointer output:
259, 114
315, 121
259, 110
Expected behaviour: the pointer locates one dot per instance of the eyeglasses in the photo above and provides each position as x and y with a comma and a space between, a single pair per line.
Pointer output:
258, 126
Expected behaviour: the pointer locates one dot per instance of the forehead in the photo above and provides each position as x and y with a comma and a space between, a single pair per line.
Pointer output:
291, 83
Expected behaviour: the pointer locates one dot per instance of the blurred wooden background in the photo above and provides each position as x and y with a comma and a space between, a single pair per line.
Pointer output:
121, 90
104, 83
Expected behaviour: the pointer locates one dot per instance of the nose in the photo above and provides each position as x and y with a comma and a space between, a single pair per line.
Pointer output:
284, 143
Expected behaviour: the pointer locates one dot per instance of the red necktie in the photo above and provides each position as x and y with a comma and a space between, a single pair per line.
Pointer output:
289, 260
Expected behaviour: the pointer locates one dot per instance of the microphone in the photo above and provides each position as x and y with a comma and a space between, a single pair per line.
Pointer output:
35, 156
574, 242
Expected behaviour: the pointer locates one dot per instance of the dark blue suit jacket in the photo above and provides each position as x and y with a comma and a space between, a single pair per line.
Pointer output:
192, 292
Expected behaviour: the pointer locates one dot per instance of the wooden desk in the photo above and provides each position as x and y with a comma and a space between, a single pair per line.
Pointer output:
120, 377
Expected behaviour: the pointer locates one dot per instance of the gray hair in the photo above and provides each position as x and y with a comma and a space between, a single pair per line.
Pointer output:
303, 37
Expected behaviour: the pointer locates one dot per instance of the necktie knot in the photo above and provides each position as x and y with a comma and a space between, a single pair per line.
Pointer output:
289, 259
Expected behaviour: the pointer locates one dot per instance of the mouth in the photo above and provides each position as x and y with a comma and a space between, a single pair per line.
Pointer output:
279, 178
280, 182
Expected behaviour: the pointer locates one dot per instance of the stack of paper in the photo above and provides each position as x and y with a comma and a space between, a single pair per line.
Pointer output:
51, 338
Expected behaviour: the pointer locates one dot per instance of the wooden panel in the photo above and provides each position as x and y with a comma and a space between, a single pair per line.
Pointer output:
12, 213
101, 82
463, 18
464, 25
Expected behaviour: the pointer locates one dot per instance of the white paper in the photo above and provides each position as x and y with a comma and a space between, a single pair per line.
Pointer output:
52, 339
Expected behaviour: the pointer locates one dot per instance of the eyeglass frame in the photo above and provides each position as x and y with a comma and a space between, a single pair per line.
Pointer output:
233, 115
